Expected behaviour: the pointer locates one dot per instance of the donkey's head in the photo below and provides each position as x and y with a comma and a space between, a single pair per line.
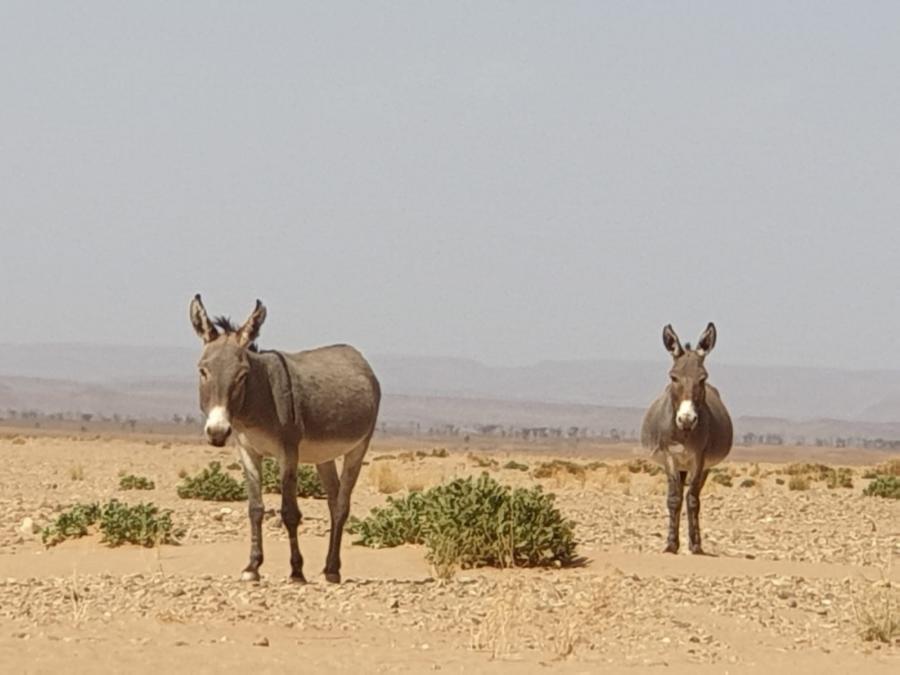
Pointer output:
223, 366
688, 376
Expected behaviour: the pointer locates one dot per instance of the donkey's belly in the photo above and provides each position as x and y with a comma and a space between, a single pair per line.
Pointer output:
314, 451
681, 459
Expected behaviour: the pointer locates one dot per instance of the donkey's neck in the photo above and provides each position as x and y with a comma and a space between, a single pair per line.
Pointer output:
269, 397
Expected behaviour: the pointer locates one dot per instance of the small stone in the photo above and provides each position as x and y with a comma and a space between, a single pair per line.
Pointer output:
181, 643
27, 527
261, 642
394, 604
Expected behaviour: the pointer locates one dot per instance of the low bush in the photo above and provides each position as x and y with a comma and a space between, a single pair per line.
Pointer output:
884, 486
142, 524
798, 483
722, 479
513, 465
308, 482
641, 465
748, 483
841, 477
132, 482
71, 524
558, 467
213, 485
473, 522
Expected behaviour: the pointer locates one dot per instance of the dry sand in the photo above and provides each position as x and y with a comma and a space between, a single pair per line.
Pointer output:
778, 591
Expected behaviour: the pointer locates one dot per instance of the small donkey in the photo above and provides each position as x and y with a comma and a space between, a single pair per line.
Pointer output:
312, 406
690, 416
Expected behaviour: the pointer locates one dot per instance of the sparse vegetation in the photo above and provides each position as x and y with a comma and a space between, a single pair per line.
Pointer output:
798, 483
641, 465
840, 477
747, 483
308, 483
71, 524
559, 467
76, 472
513, 465
212, 484
142, 524
132, 482
885, 486
722, 478
483, 462
473, 522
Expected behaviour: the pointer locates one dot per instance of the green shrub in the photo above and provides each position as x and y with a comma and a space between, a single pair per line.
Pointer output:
308, 482
132, 482
143, 524
884, 486
212, 484
71, 524
515, 466
398, 522
439, 452
747, 483
471, 523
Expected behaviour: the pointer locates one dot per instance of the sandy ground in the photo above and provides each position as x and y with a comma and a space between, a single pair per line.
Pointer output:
788, 573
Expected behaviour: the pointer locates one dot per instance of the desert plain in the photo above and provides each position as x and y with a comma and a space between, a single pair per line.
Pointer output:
791, 582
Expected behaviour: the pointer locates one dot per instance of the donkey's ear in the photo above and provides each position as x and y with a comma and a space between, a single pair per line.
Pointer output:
707, 341
200, 320
671, 341
248, 333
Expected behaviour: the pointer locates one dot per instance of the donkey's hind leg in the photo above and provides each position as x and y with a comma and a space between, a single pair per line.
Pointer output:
352, 464
290, 513
329, 476
252, 464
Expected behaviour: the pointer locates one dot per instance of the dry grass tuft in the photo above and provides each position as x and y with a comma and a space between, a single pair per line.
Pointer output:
877, 607
76, 472
385, 478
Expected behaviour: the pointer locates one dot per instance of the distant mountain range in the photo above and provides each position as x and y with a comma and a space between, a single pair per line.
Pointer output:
159, 382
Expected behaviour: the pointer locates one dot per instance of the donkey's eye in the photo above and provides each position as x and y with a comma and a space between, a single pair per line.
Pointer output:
673, 378
204, 373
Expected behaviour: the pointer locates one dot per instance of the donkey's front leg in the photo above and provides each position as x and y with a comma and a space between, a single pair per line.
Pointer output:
290, 514
252, 464
673, 501
696, 484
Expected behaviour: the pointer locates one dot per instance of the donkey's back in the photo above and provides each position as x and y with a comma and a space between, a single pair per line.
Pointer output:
337, 392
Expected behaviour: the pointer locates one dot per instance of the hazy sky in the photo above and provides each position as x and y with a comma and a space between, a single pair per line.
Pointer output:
509, 181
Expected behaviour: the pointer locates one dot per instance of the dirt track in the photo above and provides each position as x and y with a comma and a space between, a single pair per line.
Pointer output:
778, 591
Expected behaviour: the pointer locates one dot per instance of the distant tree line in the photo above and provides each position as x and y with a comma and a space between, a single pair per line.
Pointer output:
85, 419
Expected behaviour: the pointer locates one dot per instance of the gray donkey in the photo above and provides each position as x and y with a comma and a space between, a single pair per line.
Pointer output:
311, 406
687, 430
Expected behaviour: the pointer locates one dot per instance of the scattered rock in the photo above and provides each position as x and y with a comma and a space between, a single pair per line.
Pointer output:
261, 642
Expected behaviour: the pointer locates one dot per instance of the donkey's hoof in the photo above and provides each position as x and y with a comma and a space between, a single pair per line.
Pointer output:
249, 575
333, 577
298, 579
697, 550
671, 548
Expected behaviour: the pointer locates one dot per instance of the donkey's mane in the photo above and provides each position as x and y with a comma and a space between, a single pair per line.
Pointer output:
227, 326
